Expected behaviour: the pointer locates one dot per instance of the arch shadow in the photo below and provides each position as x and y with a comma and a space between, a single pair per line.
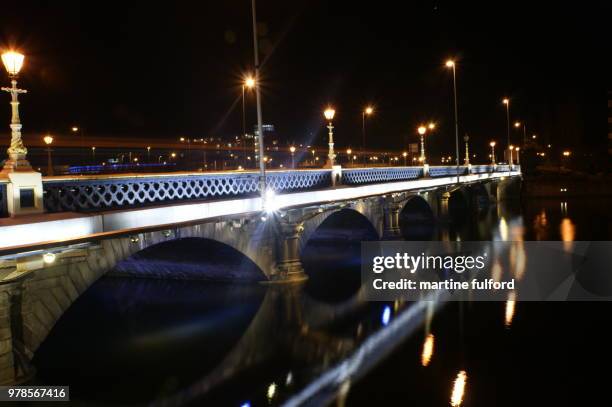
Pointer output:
332, 256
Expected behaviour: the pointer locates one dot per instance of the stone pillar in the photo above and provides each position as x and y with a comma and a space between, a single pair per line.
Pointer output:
391, 227
288, 267
14, 357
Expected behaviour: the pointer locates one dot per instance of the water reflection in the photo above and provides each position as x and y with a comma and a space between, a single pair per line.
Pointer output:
428, 350
458, 389
510, 308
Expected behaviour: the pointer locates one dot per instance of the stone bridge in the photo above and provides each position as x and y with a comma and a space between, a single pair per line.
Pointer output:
97, 224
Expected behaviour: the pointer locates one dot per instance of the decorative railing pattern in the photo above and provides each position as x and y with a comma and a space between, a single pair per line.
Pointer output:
372, 175
479, 169
3, 201
110, 193
447, 171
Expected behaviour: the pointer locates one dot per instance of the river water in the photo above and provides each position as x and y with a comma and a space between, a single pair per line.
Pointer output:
176, 342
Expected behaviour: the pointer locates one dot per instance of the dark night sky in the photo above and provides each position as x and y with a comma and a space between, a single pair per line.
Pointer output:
166, 69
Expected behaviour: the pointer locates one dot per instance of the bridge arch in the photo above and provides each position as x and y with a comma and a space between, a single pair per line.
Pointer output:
359, 212
417, 219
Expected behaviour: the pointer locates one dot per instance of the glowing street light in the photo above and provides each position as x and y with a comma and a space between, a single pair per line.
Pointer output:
466, 161
492, 144
368, 111
248, 83
292, 150
510, 151
405, 154
518, 125
506, 102
567, 153
518, 157
348, 153
451, 64
48, 140
329, 114
13, 62
422, 130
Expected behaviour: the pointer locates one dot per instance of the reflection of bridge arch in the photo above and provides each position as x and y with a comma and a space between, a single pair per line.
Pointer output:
416, 219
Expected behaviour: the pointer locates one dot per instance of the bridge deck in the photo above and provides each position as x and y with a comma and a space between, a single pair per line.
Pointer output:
38, 231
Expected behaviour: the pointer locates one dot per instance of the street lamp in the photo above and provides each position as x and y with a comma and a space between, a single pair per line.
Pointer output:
348, 153
422, 130
492, 144
466, 138
292, 150
518, 159
405, 154
517, 125
506, 102
93, 154
451, 64
249, 83
510, 151
48, 140
148, 154
13, 61
329, 114
366, 112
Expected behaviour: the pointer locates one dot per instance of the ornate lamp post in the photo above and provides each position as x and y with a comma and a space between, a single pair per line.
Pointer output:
249, 83
329, 114
422, 130
492, 144
48, 140
24, 190
366, 112
466, 138
13, 61
518, 159
292, 150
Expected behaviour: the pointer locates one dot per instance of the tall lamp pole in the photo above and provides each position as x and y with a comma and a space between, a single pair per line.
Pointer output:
506, 102
262, 164
466, 138
13, 61
249, 83
451, 64
492, 144
366, 112
48, 140
329, 114
422, 130
517, 125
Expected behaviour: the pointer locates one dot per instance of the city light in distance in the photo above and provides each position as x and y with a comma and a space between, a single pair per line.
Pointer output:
450, 63
369, 110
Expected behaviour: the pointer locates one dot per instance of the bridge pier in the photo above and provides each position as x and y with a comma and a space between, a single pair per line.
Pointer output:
392, 211
14, 355
288, 266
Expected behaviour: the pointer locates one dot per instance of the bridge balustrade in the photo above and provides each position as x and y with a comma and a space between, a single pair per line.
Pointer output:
361, 176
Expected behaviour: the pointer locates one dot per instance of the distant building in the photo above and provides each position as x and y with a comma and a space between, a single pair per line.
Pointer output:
268, 129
